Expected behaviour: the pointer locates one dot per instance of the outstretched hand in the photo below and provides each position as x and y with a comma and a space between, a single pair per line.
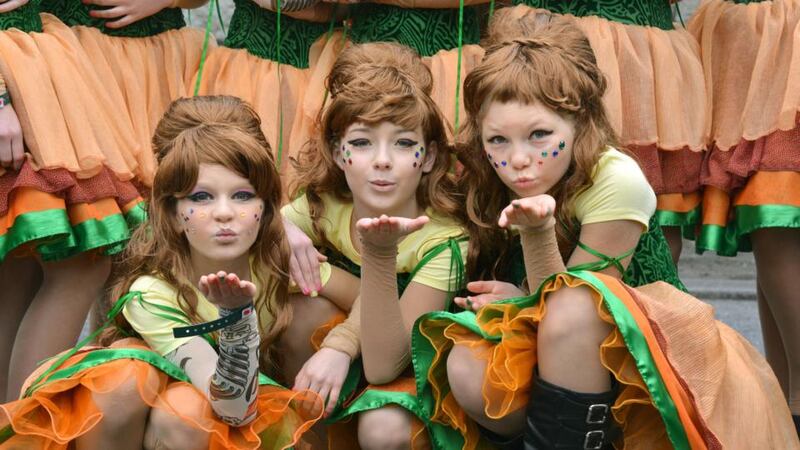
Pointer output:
385, 231
528, 212
226, 290
121, 13
487, 292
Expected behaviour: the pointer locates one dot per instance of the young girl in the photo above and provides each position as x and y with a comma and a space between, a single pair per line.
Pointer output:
585, 352
68, 191
655, 98
194, 382
376, 194
752, 173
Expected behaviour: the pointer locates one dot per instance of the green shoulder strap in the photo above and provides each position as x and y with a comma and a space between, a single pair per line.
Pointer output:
605, 260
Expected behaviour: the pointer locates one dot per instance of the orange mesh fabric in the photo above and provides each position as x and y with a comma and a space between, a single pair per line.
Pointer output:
751, 59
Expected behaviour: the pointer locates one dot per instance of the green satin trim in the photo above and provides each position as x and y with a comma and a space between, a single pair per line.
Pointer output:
751, 218
423, 351
137, 215
678, 219
25, 18
88, 235
639, 349
33, 226
374, 398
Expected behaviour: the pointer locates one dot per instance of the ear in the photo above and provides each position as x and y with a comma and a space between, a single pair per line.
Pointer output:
338, 154
430, 157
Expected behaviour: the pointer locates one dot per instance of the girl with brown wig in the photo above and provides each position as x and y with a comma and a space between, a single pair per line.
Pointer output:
376, 196
586, 361
203, 294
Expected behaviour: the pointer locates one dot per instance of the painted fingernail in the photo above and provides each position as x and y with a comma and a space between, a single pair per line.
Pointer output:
305, 291
314, 293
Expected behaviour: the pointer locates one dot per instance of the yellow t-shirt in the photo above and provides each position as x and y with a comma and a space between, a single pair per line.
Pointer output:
620, 192
335, 223
145, 319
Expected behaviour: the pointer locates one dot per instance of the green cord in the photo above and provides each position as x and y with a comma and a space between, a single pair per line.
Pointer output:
280, 93
491, 9
219, 16
680, 16
458, 67
205, 47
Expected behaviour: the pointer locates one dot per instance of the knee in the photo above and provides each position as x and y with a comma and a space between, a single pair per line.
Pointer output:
387, 428
121, 406
166, 431
466, 373
308, 314
571, 316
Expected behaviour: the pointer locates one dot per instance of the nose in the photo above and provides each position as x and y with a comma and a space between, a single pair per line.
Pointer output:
382, 159
223, 210
521, 156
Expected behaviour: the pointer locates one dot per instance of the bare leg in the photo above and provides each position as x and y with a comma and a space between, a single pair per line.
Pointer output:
466, 374
123, 423
387, 428
308, 314
675, 241
20, 278
54, 319
569, 339
776, 251
776, 354
166, 431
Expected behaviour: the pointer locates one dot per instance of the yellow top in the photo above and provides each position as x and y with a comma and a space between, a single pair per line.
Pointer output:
620, 192
147, 320
335, 223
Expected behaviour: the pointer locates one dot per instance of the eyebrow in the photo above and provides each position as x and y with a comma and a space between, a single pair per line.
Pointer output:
532, 124
361, 129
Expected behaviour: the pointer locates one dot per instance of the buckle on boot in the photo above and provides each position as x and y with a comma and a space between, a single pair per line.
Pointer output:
594, 440
597, 414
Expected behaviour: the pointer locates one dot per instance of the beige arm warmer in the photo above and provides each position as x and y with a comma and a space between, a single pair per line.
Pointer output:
540, 251
385, 339
346, 336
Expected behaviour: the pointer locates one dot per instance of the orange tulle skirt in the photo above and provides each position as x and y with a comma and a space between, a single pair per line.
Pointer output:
62, 410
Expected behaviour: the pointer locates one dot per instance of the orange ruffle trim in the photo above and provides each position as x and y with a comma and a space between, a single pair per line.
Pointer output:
63, 410
751, 57
709, 370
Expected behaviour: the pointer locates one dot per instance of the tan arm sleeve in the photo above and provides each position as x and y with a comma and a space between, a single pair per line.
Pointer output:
188, 4
346, 336
540, 251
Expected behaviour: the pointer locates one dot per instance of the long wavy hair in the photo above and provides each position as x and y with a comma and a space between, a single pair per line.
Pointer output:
212, 130
529, 59
374, 83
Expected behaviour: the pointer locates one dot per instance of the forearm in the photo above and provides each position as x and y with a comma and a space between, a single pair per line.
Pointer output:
188, 4
233, 389
346, 337
540, 251
384, 336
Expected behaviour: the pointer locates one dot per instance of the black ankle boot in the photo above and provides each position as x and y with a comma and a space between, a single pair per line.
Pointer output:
796, 420
562, 419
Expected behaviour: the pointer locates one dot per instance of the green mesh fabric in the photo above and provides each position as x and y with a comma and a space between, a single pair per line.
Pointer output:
255, 29
654, 13
425, 30
74, 12
25, 18
339, 260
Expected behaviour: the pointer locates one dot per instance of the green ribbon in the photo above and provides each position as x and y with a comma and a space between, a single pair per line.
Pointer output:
458, 65
605, 260
204, 54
